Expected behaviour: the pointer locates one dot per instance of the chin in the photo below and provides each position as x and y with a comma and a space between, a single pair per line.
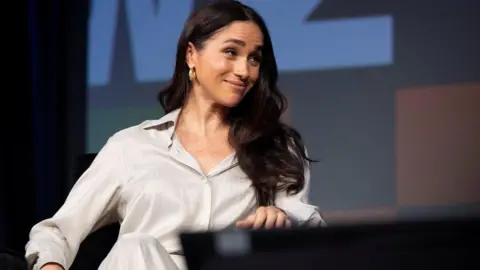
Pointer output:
230, 103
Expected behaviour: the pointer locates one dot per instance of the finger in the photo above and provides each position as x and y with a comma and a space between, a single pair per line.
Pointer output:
243, 224
261, 216
271, 219
288, 223
246, 223
281, 221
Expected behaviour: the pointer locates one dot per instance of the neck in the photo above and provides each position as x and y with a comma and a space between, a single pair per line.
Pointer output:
202, 116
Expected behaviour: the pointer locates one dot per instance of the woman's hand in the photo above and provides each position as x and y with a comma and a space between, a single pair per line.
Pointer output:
265, 217
52, 266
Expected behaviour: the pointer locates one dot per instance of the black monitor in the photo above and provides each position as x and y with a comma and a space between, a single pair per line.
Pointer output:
448, 244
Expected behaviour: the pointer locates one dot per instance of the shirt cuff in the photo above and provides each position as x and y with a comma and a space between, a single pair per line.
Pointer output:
305, 219
37, 260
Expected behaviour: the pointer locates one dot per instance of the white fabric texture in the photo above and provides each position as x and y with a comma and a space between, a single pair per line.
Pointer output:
144, 179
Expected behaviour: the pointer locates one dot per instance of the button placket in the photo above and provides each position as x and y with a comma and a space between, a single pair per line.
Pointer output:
208, 201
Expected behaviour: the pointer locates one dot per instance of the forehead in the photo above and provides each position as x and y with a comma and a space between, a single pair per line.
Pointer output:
247, 32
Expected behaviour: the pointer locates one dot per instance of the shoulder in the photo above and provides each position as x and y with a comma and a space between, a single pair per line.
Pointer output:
129, 134
147, 130
147, 136
134, 138
132, 147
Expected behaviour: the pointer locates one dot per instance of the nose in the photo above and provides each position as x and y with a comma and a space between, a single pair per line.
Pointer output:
241, 69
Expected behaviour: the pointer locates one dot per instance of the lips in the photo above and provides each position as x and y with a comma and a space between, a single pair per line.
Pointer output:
237, 85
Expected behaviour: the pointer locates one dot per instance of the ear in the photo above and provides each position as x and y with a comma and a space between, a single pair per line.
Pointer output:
191, 55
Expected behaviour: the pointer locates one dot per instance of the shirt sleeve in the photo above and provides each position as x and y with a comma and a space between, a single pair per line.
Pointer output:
297, 206
87, 207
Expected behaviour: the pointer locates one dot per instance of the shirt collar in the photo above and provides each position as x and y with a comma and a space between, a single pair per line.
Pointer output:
170, 118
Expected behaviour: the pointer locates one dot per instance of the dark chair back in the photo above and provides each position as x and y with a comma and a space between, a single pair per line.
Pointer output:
98, 244
12, 260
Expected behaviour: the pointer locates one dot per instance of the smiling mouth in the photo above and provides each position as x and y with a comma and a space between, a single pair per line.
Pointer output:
237, 85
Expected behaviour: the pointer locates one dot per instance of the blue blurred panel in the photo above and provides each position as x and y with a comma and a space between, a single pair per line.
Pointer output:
299, 45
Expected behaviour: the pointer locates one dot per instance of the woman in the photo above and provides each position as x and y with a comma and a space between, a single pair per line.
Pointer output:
220, 156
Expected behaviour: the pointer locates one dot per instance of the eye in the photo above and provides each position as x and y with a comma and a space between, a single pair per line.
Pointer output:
255, 59
231, 52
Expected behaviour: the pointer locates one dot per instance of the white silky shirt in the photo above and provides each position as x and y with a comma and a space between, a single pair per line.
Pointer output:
144, 179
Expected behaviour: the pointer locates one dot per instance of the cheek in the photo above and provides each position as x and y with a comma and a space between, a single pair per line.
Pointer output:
219, 66
254, 75
215, 66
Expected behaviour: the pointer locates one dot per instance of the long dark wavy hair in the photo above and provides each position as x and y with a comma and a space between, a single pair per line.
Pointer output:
270, 153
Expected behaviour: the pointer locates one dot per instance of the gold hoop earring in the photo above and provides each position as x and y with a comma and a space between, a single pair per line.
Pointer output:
192, 74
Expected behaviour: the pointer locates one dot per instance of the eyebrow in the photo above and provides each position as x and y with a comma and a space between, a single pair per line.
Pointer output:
236, 41
240, 42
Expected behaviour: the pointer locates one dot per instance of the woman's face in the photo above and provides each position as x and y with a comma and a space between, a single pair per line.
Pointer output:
228, 64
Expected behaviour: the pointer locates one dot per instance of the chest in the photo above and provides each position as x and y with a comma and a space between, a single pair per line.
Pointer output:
168, 195
208, 152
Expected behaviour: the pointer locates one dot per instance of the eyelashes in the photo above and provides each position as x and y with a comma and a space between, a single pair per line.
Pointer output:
231, 52
255, 58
